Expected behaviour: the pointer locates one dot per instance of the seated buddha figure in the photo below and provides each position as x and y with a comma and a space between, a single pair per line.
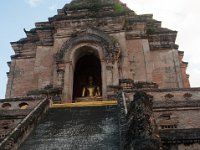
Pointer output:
91, 90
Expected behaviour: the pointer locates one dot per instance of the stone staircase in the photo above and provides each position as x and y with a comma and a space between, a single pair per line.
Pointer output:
76, 128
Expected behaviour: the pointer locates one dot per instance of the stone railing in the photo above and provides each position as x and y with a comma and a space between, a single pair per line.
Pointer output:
24, 128
122, 118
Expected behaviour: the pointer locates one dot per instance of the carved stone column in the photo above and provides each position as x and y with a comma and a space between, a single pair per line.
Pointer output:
60, 74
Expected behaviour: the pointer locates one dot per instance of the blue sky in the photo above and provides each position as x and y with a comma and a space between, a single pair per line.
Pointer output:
180, 15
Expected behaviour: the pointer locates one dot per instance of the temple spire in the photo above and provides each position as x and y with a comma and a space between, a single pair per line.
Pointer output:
94, 1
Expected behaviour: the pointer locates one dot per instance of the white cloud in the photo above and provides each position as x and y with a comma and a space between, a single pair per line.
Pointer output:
52, 7
33, 3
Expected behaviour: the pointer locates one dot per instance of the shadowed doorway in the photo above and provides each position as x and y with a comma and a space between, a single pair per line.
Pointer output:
87, 66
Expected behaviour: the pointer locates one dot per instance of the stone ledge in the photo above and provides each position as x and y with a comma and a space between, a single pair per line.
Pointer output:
163, 90
176, 104
179, 136
21, 99
12, 114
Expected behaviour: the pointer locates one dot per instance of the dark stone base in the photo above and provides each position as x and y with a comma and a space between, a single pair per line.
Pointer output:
145, 144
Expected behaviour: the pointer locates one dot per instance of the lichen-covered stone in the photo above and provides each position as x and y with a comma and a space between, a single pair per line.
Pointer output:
141, 131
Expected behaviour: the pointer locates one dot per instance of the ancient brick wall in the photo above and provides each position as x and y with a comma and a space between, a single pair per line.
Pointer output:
183, 65
43, 67
140, 63
22, 77
166, 71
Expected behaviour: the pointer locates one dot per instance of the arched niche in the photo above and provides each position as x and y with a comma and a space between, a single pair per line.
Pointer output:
88, 53
87, 65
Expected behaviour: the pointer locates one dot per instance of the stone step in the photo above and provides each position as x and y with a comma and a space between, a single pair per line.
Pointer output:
76, 128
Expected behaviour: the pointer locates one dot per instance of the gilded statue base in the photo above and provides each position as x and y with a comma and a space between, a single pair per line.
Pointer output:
88, 99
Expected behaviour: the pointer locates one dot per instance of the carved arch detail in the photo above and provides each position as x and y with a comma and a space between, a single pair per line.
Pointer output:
108, 44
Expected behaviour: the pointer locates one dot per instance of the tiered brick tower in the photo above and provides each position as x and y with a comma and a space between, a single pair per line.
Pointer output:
124, 53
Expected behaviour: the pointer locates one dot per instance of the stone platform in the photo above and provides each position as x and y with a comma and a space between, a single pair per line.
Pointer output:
88, 99
86, 104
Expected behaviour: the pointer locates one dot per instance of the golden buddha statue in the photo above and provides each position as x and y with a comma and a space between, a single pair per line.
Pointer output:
91, 90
